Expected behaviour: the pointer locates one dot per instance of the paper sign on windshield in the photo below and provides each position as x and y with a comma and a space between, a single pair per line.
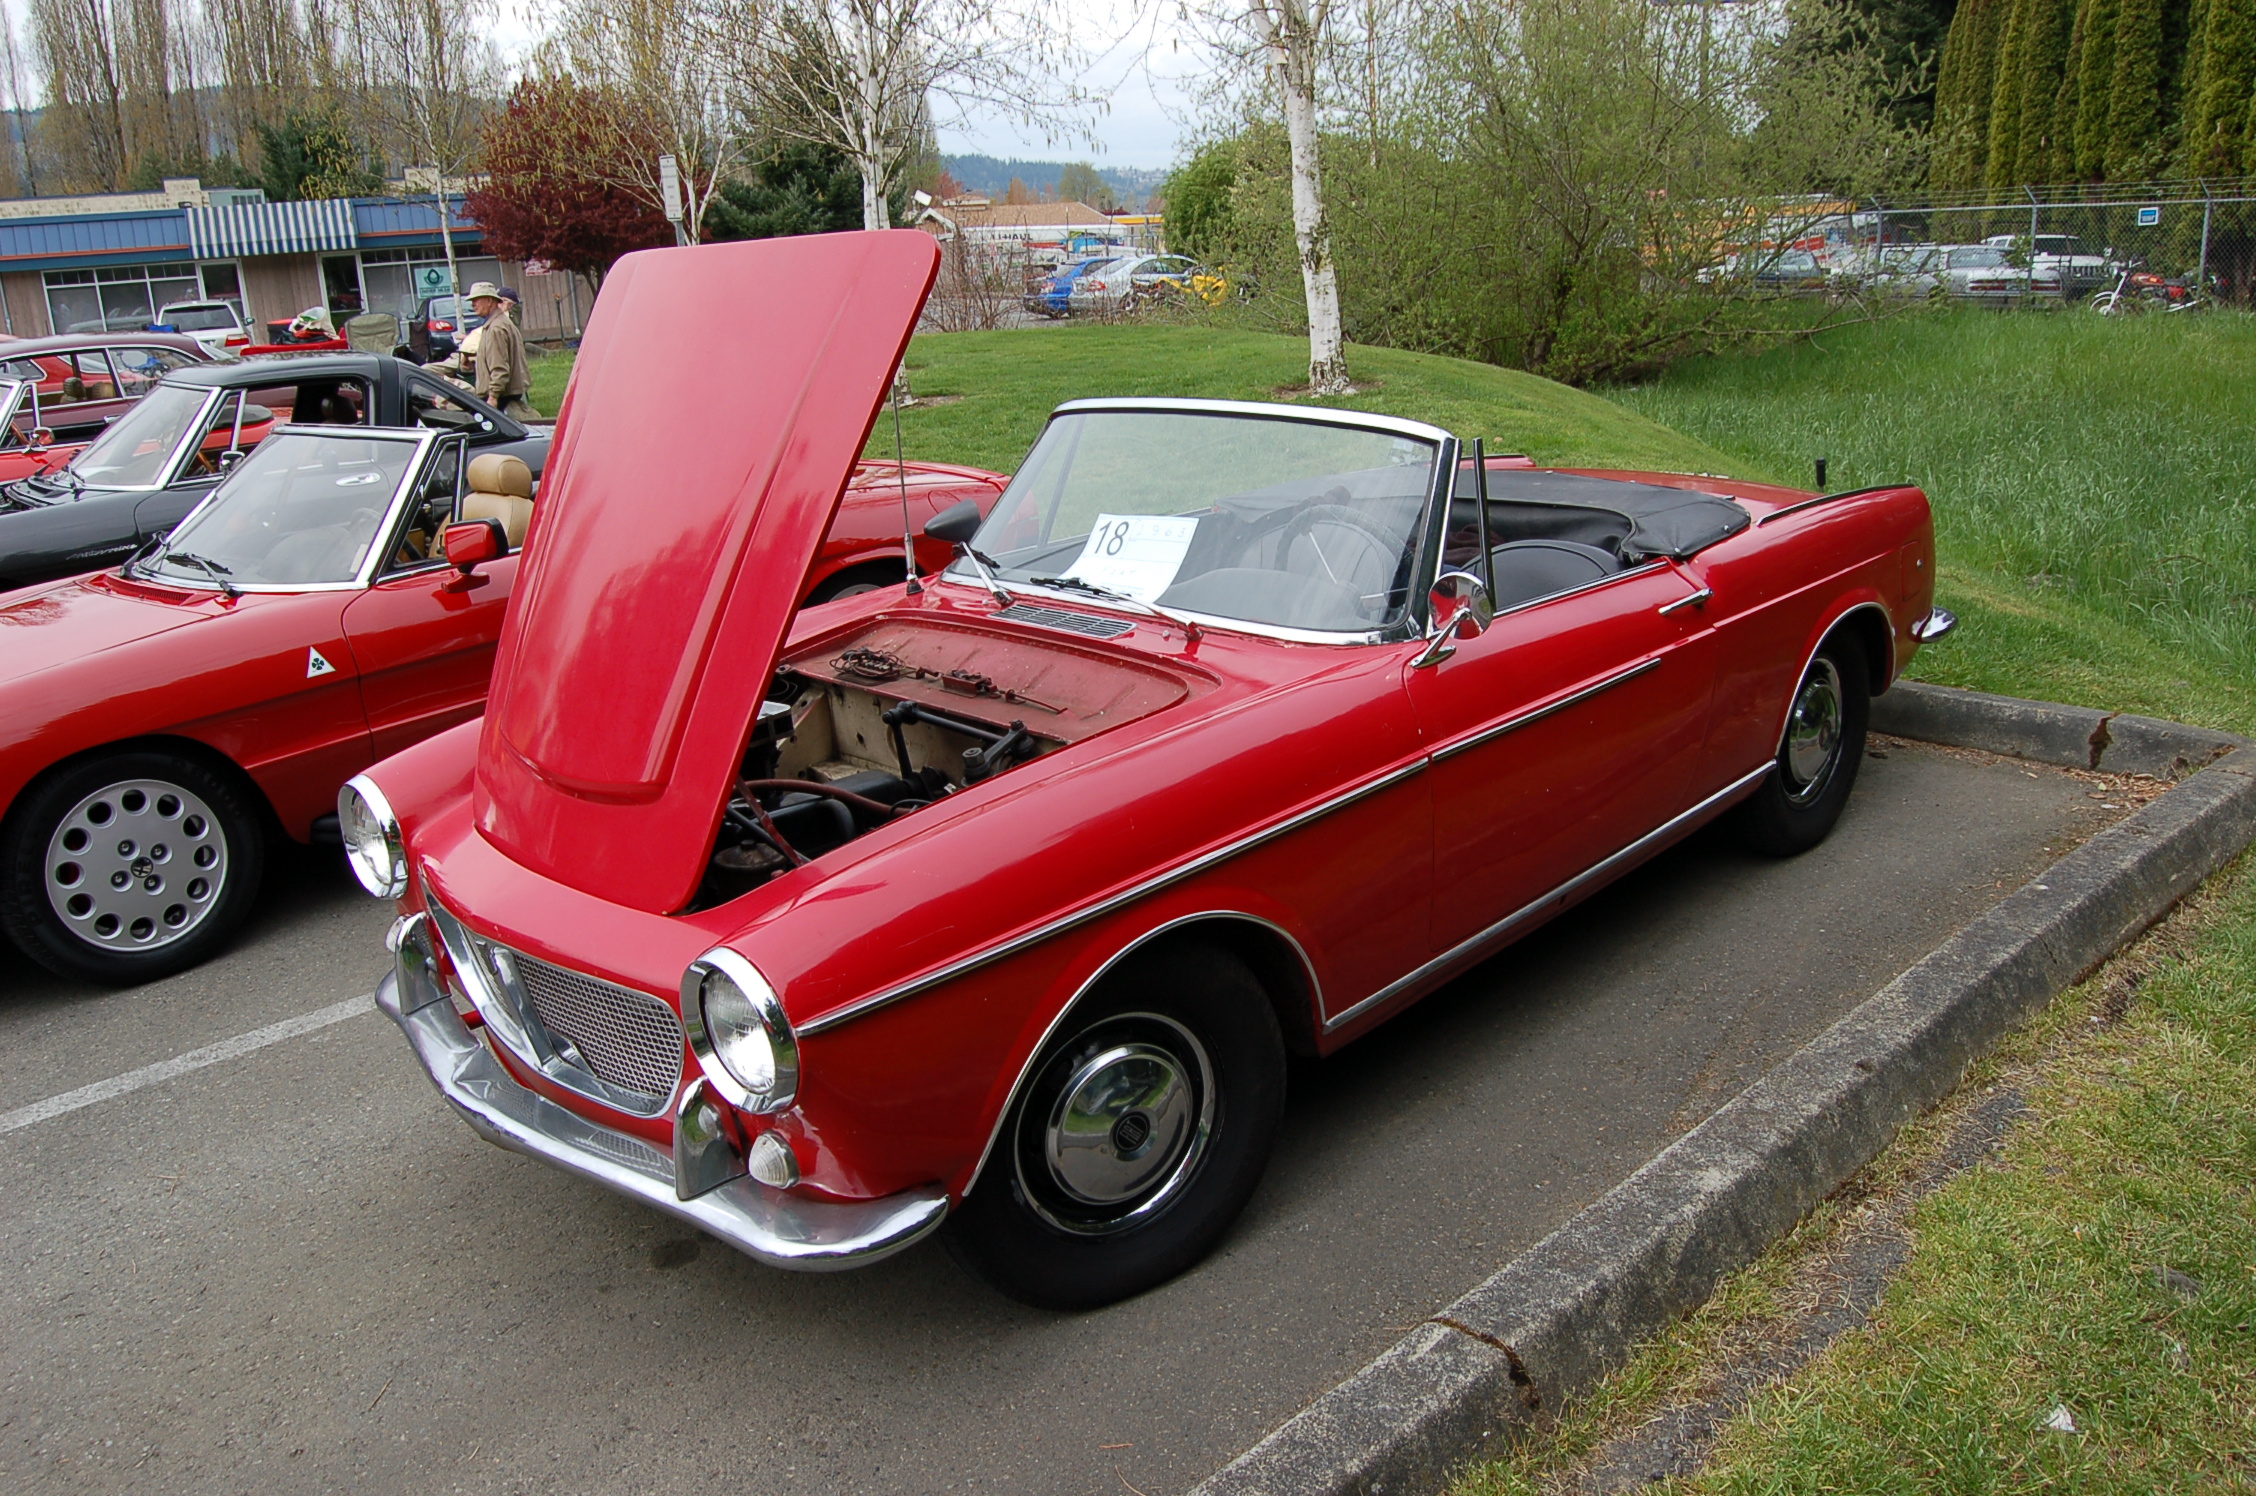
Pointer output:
1137, 554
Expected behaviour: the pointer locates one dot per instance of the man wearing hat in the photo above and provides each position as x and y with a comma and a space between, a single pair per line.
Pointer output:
502, 375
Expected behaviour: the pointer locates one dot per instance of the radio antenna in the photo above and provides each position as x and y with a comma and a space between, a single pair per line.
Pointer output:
901, 471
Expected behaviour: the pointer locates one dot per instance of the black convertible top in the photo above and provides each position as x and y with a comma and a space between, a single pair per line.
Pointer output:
1674, 522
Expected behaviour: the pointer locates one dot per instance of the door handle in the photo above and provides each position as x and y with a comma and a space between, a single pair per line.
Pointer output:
1696, 600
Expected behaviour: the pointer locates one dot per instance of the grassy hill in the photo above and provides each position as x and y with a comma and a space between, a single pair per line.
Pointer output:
2096, 523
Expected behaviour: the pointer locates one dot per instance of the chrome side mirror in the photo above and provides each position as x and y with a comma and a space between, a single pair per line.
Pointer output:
1459, 607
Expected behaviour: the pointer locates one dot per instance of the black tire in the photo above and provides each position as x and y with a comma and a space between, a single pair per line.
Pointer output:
1818, 754
129, 866
856, 580
1180, 1050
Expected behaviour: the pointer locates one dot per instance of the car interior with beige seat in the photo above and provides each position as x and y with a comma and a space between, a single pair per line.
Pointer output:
500, 487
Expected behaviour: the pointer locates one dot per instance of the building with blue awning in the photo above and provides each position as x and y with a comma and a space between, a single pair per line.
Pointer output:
110, 263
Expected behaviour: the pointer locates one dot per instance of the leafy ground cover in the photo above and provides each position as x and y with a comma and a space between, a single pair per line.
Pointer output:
2099, 1274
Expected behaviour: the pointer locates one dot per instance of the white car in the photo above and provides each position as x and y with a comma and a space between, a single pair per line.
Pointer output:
2058, 263
1126, 283
215, 324
1985, 273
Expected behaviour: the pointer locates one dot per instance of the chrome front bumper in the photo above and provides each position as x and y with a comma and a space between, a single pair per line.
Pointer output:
780, 1229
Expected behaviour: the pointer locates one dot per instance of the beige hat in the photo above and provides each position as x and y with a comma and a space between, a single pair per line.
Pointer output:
486, 289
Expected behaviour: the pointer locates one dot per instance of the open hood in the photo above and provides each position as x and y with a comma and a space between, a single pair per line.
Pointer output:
721, 397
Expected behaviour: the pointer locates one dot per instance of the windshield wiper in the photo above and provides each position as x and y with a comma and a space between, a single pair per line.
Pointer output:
1092, 589
212, 569
985, 566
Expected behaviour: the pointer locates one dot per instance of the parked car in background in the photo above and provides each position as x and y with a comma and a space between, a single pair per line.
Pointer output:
1233, 732
1984, 273
155, 719
217, 325
1126, 284
1785, 272
86, 381
438, 326
2059, 264
1890, 270
156, 463
1052, 294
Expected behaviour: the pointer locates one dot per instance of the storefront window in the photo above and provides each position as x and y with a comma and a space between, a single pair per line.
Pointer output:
115, 298
398, 280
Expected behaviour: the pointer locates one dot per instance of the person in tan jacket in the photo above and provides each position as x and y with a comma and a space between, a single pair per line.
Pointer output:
503, 377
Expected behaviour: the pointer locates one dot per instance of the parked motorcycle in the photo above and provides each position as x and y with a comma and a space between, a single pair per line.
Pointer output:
2138, 289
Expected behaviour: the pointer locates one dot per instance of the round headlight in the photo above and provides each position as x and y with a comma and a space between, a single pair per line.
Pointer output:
738, 1031
372, 838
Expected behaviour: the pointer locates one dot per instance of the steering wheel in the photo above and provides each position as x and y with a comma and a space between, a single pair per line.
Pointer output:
1303, 525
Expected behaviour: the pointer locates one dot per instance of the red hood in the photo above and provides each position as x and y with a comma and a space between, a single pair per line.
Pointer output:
720, 399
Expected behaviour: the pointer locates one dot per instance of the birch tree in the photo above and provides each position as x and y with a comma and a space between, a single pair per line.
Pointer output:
655, 79
421, 75
863, 76
1289, 41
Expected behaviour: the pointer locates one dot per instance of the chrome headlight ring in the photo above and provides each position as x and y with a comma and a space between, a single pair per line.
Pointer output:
371, 833
738, 1032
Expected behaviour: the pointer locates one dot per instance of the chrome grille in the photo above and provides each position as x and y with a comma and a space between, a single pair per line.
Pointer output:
1070, 622
628, 1038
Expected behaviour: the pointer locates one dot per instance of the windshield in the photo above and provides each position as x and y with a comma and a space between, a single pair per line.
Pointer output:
199, 318
1977, 259
1298, 524
138, 447
300, 509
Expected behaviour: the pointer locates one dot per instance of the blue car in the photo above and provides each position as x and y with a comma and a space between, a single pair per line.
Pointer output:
1051, 294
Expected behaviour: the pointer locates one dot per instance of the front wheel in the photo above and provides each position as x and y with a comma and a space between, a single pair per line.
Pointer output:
1136, 1139
129, 867
1818, 755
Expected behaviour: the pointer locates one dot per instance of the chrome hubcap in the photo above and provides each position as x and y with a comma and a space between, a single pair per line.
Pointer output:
1813, 733
1126, 1129
136, 865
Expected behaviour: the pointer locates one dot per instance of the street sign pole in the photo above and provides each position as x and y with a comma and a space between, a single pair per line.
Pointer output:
669, 185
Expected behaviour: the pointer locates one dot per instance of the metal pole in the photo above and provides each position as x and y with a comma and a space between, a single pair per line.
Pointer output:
2201, 276
2059, 273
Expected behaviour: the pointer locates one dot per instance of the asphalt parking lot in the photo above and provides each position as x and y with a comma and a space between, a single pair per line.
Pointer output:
292, 1269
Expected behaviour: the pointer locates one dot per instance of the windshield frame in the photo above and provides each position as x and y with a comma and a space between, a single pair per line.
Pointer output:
169, 473
12, 403
370, 564
1427, 541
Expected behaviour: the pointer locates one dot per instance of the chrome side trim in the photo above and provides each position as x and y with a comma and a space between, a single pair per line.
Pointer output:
1105, 906
1203, 917
1529, 718
775, 1227
1598, 873
1825, 498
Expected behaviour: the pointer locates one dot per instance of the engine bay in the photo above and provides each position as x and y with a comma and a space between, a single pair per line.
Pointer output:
862, 730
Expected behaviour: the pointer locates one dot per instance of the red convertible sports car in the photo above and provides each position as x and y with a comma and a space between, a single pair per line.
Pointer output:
1234, 730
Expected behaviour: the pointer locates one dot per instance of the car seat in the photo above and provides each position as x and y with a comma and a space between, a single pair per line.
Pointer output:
501, 487
1529, 569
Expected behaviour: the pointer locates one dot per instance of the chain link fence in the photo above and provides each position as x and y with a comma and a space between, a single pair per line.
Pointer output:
2183, 241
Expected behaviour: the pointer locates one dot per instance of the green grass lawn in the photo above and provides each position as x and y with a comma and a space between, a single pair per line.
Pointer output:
2090, 477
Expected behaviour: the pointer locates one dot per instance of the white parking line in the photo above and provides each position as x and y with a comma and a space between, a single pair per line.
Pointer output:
194, 1059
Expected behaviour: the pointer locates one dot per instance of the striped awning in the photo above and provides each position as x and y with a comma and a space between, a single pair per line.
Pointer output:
271, 229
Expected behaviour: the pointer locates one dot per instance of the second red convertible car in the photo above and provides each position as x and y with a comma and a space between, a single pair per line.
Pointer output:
1234, 731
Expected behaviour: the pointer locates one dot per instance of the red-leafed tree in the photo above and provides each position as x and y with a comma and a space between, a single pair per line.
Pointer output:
538, 204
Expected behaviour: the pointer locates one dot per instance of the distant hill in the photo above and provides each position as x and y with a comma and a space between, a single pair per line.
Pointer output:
991, 176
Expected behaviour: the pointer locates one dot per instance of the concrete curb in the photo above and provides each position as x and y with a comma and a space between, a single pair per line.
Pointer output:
1576, 1304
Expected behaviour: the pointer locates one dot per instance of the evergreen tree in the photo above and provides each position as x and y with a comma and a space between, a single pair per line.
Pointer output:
2065, 104
2005, 99
800, 189
1965, 91
2041, 62
2134, 106
2095, 87
2221, 90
